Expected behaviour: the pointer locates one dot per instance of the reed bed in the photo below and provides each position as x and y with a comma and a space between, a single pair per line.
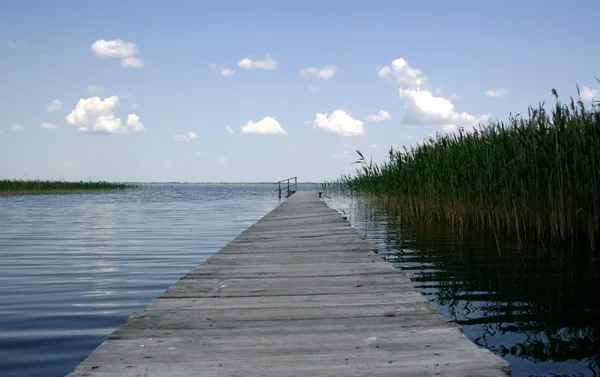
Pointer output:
18, 187
536, 177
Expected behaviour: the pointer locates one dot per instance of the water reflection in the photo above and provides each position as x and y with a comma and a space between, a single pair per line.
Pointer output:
539, 309
74, 267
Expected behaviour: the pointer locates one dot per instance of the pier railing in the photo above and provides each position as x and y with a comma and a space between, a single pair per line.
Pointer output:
288, 186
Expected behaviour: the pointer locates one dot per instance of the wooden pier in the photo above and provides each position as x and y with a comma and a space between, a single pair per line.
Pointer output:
297, 294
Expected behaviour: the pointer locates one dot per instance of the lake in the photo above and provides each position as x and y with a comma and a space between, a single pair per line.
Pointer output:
74, 267
539, 309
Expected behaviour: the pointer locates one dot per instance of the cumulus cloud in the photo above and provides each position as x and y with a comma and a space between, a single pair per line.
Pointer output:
49, 126
229, 129
424, 107
94, 115
222, 71
267, 126
54, 105
16, 128
117, 48
496, 93
421, 107
313, 88
95, 89
339, 123
403, 74
588, 94
324, 73
379, 117
134, 124
267, 63
185, 137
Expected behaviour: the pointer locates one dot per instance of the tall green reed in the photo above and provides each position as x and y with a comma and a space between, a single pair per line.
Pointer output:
17, 186
537, 177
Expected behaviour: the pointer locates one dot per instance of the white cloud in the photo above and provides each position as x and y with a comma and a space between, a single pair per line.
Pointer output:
18, 45
16, 128
421, 107
449, 128
94, 115
185, 137
373, 146
134, 124
135, 107
222, 161
496, 92
454, 97
324, 73
199, 153
222, 71
588, 94
339, 123
268, 63
54, 105
132, 62
402, 74
379, 117
117, 48
229, 129
267, 126
49, 126
313, 88
95, 89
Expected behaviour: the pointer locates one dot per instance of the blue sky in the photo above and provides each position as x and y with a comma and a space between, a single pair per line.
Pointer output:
307, 76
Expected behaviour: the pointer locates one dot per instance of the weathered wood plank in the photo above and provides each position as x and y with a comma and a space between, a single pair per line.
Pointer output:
299, 293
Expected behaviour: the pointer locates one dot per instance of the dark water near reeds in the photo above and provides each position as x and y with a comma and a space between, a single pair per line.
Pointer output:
73, 267
539, 309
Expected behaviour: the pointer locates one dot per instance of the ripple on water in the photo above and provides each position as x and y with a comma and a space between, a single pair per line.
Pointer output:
74, 267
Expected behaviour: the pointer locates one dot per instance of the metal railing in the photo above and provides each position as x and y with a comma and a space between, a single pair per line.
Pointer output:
289, 187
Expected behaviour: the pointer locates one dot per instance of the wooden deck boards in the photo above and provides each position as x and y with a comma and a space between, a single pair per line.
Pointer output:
297, 294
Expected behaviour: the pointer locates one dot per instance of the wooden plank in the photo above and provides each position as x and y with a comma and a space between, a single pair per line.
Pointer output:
299, 293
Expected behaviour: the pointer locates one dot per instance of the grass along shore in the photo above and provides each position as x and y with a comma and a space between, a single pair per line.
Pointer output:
536, 177
21, 187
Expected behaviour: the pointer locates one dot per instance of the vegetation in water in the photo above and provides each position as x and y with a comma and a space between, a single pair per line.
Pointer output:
17, 186
537, 177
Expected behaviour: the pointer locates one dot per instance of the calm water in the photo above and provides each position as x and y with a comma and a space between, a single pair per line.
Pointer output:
73, 267
540, 310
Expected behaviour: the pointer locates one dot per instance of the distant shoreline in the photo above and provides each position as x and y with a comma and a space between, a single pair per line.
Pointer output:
34, 186
38, 187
